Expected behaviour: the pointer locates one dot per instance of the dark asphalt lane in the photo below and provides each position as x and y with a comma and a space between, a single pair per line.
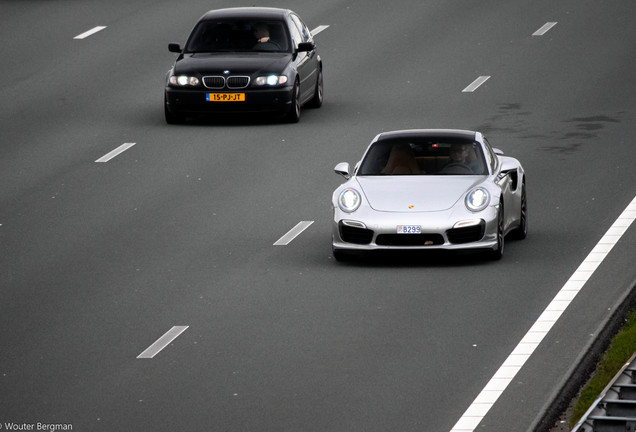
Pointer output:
98, 260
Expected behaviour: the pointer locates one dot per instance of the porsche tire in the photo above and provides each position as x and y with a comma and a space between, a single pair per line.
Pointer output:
497, 253
522, 232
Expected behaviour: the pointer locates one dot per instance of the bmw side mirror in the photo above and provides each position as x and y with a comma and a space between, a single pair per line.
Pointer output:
174, 47
498, 152
343, 169
305, 47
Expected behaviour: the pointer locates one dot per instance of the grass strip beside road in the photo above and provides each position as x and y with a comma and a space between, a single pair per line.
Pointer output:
621, 348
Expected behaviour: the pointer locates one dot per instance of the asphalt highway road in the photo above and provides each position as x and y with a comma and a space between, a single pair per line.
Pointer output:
98, 260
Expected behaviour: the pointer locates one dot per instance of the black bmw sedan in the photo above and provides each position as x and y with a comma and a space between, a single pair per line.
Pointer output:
248, 59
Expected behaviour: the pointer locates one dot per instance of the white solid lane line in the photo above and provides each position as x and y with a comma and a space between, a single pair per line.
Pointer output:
475, 84
90, 32
293, 233
506, 373
122, 148
318, 29
162, 342
544, 29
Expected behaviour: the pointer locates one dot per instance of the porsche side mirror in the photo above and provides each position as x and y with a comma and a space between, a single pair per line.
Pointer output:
305, 47
343, 169
174, 47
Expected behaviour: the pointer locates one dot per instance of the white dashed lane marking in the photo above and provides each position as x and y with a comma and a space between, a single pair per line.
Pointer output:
90, 32
475, 84
318, 29
122, 148
293, 233
162, 342
544, 29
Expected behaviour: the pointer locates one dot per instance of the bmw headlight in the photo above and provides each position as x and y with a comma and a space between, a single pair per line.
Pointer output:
349, 200
270, 80
184, 80
477, 199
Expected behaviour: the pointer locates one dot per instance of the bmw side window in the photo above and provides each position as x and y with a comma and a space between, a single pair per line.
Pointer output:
302, 28
295, 34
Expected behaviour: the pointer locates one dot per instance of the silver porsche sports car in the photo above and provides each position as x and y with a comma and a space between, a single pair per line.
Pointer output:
429, 189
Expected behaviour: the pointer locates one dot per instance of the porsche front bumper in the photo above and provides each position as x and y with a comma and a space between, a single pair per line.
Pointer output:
449, 230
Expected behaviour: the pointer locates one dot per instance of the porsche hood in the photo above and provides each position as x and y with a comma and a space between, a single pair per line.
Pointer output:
415, 193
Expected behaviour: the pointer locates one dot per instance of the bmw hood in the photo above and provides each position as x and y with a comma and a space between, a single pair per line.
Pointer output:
415, 193
237, 63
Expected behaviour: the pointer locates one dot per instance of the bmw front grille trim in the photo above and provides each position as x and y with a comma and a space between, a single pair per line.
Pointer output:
218, 82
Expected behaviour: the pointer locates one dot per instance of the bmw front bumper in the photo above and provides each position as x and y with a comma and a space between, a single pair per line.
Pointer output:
195, 101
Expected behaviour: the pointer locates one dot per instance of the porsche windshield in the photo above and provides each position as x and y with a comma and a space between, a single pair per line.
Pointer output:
238, 36
423, 156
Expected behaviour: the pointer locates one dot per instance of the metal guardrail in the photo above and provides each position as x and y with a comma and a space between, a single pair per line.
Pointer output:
615, 408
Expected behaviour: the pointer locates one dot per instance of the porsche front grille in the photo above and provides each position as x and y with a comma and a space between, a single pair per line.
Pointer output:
409, 239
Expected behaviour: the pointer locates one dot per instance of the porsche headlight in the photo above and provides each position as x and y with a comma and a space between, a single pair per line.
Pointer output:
349, 200
184, 80
477, 199
270, 80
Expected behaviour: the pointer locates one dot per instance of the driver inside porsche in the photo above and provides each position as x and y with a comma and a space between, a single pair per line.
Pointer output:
463, 154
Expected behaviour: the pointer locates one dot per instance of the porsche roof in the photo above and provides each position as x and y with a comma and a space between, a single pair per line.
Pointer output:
439, 133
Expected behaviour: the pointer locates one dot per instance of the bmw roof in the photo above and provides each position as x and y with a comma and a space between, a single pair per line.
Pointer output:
246, 12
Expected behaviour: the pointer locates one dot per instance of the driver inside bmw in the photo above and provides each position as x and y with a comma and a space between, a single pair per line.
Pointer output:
263, 41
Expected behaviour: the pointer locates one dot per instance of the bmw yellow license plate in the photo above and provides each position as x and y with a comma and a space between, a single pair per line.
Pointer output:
409, 229
225, 97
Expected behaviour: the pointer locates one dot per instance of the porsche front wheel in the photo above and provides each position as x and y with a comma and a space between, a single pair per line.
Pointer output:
522, 232
497, 252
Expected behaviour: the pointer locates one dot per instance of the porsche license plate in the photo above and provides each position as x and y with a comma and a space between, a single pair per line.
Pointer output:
225, 97
409, 229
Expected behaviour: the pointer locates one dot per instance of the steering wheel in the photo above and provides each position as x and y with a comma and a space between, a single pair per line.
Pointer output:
456, 168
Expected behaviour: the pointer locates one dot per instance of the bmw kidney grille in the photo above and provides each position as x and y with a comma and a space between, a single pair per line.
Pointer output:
232, 82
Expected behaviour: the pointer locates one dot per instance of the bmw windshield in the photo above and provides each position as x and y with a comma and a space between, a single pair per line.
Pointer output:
238, 36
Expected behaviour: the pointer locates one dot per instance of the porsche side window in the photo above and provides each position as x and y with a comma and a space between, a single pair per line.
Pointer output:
490, 156
475, 159
375, 160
